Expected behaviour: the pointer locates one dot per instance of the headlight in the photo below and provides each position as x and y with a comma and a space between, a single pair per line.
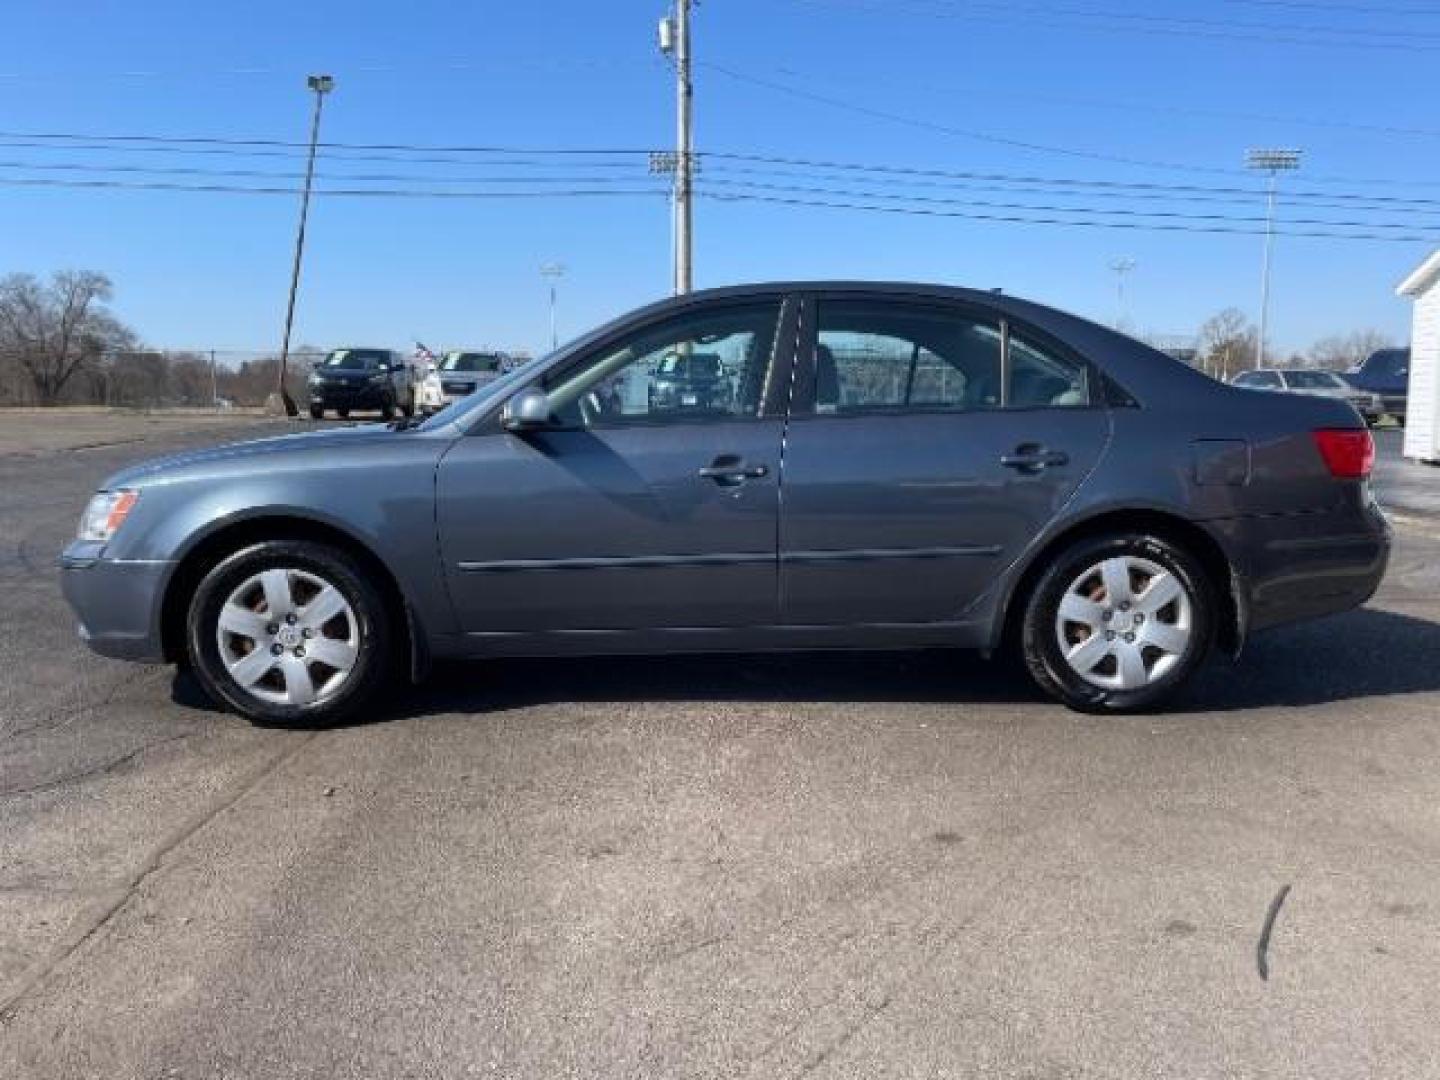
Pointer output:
106, 513
315, 379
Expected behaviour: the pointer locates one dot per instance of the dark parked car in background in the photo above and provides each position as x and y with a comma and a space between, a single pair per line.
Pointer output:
898, 466
690, 380
462, 372
1316, 382
352, 379
1385, 372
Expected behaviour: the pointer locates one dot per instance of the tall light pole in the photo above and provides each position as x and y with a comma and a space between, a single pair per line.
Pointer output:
553, 272
675, 41
1121, 267
1270, 162
320, 85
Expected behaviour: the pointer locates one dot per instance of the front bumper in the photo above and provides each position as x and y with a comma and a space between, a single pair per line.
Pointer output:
117, 602
347, 397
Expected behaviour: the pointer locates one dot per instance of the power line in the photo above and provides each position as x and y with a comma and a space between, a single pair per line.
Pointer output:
1363, 9
1124, 185
894, 173
265, 174
399, 193
956, 8
1070, 101
1028, 220
1136, 23
1109, 211
779, 199
214, 140
947, 129
788, 171
1065, 189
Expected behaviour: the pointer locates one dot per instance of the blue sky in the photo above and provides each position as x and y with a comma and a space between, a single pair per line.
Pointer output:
1105, 85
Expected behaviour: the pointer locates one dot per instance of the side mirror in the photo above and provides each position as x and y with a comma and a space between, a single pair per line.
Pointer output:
529, 410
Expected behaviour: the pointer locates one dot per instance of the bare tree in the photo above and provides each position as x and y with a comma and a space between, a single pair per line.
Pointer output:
54, 330
1340, 352
1227, 343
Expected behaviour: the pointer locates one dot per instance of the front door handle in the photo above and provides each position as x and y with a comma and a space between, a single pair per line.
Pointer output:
730, 470
1033, 458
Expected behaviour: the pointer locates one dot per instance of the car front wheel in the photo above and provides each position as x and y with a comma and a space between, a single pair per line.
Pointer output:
1118, 623
289, 633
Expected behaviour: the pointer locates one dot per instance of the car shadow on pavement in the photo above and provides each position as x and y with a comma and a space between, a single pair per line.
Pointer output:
1361, 654
1367, 653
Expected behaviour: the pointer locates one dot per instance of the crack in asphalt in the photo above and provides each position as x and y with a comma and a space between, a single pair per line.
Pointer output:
94, 770
52, 717
1262, 947
94, 919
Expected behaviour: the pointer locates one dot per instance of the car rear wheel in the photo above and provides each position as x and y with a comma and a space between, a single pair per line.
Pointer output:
1118, 623
387, 411
316, 412
289, 633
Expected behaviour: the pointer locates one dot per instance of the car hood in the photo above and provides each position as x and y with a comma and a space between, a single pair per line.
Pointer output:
253, 454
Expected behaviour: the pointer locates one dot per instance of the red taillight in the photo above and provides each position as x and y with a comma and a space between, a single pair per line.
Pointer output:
1348, 453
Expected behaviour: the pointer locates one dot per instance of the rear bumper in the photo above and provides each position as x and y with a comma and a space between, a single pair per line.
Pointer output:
1300, 566
117, 603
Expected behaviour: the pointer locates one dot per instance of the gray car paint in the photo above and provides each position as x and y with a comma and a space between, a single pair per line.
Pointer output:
609, 541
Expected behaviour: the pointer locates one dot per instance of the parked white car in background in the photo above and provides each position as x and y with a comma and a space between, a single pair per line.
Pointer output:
1315, 383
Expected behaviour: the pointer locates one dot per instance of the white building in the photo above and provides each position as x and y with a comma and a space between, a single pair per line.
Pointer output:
1422, 413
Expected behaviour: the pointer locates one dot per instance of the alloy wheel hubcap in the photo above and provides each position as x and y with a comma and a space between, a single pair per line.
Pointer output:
288, 637
1124, 623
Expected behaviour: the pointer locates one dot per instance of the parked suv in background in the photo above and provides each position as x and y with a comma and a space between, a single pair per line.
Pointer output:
361, 379
1385, 372
690, 382
463, 372
1316, 383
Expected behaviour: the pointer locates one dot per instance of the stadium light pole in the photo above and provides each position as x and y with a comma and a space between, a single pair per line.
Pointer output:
553, 272
1270, 162
320, 85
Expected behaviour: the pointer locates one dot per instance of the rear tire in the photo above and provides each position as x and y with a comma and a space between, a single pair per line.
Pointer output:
1118, 623
289, 633
344, 414
316, 412
387, 411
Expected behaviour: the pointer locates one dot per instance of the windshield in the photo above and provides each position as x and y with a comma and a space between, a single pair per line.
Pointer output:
1312, 380
470, 361
1387, 362
357, 359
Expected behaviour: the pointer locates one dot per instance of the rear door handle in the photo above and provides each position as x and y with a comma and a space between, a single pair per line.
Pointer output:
1032, 459
730, 470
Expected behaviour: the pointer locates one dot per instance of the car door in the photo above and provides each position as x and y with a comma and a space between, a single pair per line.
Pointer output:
929, 443
632, 510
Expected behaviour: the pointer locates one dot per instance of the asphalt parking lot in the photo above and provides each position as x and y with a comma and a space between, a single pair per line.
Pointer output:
861, 866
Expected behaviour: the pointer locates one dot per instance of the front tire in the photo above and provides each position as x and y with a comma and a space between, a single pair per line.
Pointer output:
289, 633
1118, 623
316, 412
